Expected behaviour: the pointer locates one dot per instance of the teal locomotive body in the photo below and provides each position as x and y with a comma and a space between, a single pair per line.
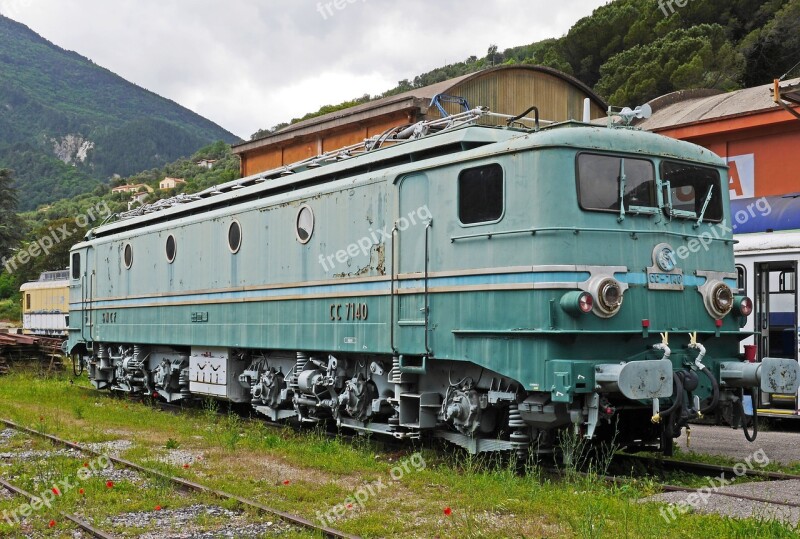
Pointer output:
486, 285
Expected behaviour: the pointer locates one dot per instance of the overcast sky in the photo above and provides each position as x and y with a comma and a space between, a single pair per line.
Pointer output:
250, 64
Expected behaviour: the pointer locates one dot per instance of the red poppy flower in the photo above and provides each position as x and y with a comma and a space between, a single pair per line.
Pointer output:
286, 482
158, 508
56, 491
110, 484
81, 491
448, 511
52, 523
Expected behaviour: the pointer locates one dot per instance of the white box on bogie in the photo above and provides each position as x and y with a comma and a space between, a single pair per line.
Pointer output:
212, 372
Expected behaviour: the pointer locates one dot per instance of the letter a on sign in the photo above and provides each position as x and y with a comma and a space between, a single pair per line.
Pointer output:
742, 183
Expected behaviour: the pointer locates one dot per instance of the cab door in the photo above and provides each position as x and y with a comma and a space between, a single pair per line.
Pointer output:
81, 294
412, 234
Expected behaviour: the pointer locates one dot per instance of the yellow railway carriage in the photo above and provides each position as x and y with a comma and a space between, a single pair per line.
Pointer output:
45, 305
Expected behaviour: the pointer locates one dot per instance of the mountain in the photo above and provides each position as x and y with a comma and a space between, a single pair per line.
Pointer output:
631, 51
68, 125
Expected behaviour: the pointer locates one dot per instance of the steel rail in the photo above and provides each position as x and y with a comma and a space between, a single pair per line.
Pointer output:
186, 484
705, 491
704, 469
82, 524
701, 468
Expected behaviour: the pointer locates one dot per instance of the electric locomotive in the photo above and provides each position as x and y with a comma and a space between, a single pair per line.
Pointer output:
490, 285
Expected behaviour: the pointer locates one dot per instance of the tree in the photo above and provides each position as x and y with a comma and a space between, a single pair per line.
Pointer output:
57, 256
10, 225
700, 57
774, 48
492, 57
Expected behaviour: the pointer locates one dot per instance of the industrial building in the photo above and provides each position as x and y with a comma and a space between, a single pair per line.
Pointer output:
503, 89
757, 134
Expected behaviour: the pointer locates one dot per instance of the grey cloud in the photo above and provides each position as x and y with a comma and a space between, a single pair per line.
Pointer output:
248, 64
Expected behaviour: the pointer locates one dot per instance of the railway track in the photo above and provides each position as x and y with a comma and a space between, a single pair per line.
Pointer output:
649, 463
183, 484
705, 469
79, 523
726, 475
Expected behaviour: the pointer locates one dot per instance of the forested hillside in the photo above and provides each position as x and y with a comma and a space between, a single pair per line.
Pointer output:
19, 232
67, 125
631, 51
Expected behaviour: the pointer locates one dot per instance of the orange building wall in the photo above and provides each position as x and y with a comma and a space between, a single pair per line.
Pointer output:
259, 161
256, 161
760, 149
508, 91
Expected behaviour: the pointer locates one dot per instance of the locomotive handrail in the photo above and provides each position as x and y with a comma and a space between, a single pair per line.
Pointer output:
392, 290
427, 293
90, 297
576, 230
83, 302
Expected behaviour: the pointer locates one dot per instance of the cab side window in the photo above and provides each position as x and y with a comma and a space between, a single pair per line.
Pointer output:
480, 194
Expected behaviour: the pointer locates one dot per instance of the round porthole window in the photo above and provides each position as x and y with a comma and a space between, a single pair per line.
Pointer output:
171, 249
305, 224
127, 256
235, 237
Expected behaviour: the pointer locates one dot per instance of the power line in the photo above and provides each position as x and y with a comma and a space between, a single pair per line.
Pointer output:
792, 69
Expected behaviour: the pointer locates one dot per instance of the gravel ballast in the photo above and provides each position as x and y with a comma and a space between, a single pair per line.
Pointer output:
779, 447
709, 502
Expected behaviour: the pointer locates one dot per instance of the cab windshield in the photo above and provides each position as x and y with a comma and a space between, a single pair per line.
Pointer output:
691, 191
626, 185
605, 182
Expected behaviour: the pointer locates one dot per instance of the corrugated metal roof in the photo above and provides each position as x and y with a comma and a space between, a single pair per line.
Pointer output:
418, 98
426, 92
695, 106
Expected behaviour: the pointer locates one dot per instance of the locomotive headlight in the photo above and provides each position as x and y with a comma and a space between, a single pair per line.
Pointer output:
742, 306
609, 297
577, 303
720, 300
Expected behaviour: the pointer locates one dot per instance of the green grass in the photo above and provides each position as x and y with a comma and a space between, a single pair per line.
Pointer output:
311, 474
